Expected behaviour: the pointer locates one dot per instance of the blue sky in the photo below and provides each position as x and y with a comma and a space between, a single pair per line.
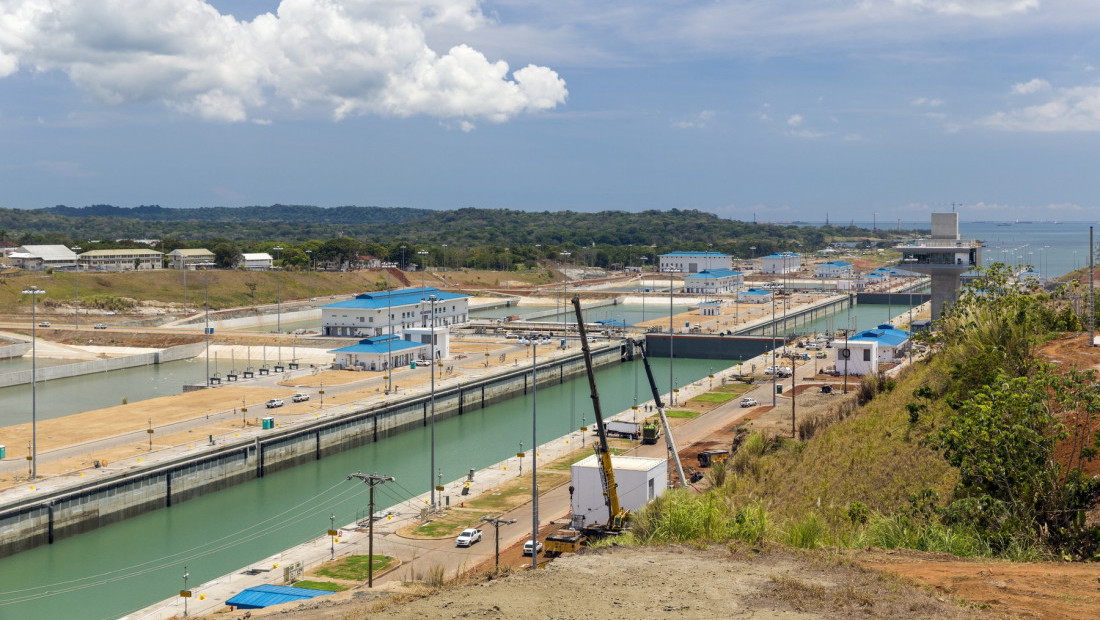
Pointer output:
786, 109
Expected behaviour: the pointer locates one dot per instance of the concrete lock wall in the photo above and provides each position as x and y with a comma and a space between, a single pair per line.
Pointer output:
42, 520
14, 350
49, 373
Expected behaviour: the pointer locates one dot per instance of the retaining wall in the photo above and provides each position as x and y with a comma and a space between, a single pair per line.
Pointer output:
14, 350
28, 523
20, 377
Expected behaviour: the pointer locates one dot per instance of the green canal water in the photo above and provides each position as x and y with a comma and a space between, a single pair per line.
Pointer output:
114, 570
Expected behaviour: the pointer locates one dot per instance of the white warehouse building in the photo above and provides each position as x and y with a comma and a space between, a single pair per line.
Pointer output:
410, 308
781, 262
713, 281
694, 262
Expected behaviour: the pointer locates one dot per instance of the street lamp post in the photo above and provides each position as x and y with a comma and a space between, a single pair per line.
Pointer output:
431, 354
76, 285
564, 301
403, 257
644, 259
671, 335
444, 262
309, 273
774, 369
534, 457
389, 341
34, 292
278, 293
206, 329
423, 269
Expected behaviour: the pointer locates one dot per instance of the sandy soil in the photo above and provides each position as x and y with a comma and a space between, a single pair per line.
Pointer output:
652, 583
1031, 590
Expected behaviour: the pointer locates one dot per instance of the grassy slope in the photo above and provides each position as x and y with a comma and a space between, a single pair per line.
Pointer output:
869, 457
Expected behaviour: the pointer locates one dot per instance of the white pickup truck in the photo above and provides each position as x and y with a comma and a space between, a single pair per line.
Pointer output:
468, 537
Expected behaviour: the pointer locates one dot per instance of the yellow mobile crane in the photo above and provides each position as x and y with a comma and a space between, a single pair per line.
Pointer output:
570, 540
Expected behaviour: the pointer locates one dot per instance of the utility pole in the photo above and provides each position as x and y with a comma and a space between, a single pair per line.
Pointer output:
371, 481
332, 537
496, 522
1092, 295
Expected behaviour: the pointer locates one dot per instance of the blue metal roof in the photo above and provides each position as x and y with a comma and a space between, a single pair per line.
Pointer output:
267, 595
837, 263
756, 291
886, 334
715, 273
783, 255
400, 297
710, 254
379, 345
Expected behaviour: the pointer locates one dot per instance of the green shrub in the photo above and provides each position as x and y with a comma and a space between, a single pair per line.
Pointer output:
807, 533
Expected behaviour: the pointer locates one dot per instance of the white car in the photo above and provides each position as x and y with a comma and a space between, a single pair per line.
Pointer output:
468, 537
749, 402
274, 402
527, 548
300, 397
44, 324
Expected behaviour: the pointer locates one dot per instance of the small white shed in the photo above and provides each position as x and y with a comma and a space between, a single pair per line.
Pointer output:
639, 479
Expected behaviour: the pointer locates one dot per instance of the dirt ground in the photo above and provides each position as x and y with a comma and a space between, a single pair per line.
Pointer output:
667, 582
1010, 590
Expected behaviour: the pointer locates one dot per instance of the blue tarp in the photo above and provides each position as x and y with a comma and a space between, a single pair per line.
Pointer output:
266, 596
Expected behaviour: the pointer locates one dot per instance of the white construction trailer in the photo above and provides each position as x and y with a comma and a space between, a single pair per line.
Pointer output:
640, 480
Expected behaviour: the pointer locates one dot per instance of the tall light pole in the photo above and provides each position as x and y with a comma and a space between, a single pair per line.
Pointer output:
671, 333
444, 262
775, 371
389, 341
278, 293
403, 257
431, 354
34, 292
76, 285
206, 330
309, 272
644, 259
534, 457
564, 301
423, 269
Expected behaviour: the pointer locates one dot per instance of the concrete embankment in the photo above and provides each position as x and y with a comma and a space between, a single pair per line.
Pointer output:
49, 373
70, 510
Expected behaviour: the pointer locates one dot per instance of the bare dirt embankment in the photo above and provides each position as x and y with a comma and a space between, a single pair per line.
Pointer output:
653, 583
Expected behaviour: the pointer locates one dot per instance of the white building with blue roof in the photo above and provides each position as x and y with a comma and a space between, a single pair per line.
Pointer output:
713, 281
781, 262
835, 269
754, 296
372, 314
694, 262
373, 353
869, 348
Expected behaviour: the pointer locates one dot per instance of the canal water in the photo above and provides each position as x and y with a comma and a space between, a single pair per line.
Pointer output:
61, 397
125, 566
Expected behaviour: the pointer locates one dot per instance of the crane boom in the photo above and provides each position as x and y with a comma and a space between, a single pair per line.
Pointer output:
603, 451
661, 412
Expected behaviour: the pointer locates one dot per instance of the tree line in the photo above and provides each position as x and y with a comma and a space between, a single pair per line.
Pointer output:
469, 237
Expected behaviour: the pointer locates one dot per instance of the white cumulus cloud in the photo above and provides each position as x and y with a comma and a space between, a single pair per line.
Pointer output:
794, 120
977, 8
1030, 87
1069, 109
347, 57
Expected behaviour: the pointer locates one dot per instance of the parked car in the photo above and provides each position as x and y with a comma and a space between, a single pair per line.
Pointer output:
527, 548
44, 324
749, 402
300, 397
100, 326
274, 402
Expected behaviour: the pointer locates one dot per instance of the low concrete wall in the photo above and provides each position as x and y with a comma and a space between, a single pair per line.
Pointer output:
14, 350
52, 516
20, 377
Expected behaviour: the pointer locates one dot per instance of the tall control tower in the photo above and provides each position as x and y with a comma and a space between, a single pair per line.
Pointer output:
944, 257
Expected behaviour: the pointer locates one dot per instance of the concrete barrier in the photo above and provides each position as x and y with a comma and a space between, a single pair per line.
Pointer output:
49, 373
17, 349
